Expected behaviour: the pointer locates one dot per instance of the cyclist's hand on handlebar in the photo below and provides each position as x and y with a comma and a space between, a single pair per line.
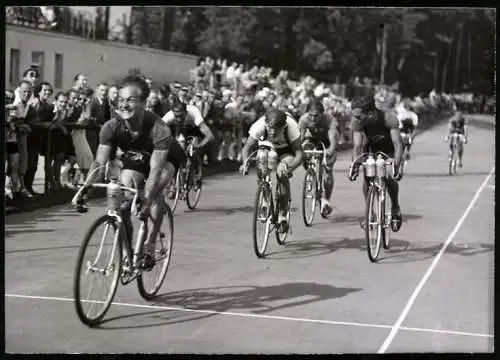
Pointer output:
243, 169
397, 173
353, 172
145, 212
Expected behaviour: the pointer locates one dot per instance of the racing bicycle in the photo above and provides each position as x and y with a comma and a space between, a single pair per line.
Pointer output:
266, 208
185, 186
113, 258
377, 223
312, 186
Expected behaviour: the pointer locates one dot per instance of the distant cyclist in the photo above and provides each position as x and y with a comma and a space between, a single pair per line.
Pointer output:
317, 126
458, 124
284, 133
185, 121
408, 121
381, 132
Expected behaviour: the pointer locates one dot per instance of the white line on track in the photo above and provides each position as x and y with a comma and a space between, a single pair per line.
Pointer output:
259, 316
397, 325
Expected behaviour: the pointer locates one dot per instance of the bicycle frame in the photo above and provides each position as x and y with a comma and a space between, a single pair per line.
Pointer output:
266, 173
115, 213
316, 165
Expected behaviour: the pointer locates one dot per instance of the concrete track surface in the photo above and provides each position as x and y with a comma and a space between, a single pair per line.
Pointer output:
319, 293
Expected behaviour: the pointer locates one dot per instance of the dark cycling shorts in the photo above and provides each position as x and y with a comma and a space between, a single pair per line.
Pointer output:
286, 151
12, 148
385, 145
176, 156
407, 126
458, 130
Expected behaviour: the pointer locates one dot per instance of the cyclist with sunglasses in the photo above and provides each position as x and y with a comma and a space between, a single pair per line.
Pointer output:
380, 130
283, 132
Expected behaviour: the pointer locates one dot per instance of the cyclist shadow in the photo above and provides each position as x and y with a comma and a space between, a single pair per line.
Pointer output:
397, 254
248, 209
303, 249
356, 219
444, 174
196, 304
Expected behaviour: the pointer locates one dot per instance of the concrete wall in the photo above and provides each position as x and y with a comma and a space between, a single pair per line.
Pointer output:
99, 60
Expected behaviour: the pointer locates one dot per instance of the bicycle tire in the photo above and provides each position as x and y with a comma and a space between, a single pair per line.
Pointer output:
261, 250
192, 204
387, 221
76, 283
312, 174
372, 198
150, 295
177, 184
281, 237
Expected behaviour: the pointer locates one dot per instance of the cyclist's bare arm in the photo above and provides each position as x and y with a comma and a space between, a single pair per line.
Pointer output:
333, 136
102, 157
207, 134
398, 146
357, 139
297, 160
157, 163
249, 144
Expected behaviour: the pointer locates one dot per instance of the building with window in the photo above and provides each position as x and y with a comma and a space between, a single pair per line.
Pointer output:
59, 57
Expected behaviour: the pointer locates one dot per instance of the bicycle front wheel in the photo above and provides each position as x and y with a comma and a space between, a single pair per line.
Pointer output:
150, 281
309, 196
172, 191
102, 260
194, 185
373, 224
262, 218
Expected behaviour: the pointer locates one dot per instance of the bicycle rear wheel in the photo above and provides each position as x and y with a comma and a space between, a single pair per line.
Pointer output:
373, 225
106, 262
309, 197
262, 216
194, 185
150, 281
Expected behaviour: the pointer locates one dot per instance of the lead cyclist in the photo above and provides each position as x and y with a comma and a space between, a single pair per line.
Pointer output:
146, 142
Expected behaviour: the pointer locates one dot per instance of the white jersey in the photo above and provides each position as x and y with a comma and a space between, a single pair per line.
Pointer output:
258, 129
193, 116
404, 114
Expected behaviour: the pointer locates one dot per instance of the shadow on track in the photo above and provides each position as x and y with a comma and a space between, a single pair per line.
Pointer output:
226, 210
445, 174
238, 299
411, 254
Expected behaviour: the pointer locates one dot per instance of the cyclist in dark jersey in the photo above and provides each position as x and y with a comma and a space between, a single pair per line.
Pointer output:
148, 153
380, 129
458, 124
317, 126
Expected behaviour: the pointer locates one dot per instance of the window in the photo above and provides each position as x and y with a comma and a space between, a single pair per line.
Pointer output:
37, 61
58, 78
14, 67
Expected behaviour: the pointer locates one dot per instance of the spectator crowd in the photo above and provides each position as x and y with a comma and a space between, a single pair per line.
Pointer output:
64, 127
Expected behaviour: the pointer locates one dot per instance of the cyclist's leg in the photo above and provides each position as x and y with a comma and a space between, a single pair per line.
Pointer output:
460, 149
157, 210
130, 178
284, 184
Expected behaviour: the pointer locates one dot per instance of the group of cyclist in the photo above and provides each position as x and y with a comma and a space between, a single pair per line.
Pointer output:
151, 147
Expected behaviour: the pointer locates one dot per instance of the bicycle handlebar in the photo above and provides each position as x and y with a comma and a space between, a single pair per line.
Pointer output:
388, 159
314, 152
86, 186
